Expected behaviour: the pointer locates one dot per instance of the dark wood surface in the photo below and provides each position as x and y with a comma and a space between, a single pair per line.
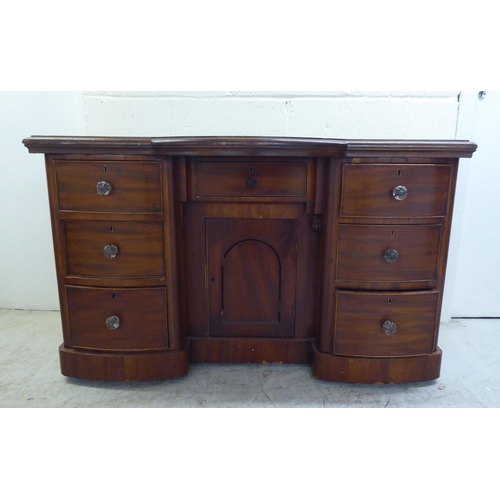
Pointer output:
118, 367
360, 317
285, 230
251, 350
365, 370
135, 186
361, 254
252, 277
263, 146
139, 244
250, 250
254, 179
367, 190
141, 311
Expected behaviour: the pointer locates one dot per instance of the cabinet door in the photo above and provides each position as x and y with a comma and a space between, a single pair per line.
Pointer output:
252, 270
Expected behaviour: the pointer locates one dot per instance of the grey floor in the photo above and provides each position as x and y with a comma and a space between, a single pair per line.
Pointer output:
30, 376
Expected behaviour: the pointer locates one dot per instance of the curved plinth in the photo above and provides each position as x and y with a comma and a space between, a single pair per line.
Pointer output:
376, 370
108, 367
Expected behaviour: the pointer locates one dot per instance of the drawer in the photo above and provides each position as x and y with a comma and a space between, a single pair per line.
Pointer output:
373, 190
385, 324
250, 179
388, 253
114, 249
117, 319
132, 186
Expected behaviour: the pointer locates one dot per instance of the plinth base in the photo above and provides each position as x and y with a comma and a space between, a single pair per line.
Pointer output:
112, 367
356, 370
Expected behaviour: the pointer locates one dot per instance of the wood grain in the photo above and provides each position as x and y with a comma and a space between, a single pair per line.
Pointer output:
135, 186
252, 273
140, 249
250, 250
361, 251
250, 146
121, 367
361, 370
232, 178
141, 311
367, 190
360, 316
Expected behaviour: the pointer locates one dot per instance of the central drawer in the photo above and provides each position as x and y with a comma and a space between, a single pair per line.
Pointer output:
385, 324
114, 249
250, 178
117, 318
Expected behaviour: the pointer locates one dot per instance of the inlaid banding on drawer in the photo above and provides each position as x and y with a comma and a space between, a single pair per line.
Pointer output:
395, 190
385, 324
114, 249
117, 318
109, 186
250, 179
388, 253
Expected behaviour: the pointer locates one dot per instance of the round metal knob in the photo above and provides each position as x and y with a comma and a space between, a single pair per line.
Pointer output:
251, 182
391, 255
389, 327
113, 322
103, 188
400, 193
110, 251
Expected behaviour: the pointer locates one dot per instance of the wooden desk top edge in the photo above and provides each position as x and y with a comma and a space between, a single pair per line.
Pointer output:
249, 145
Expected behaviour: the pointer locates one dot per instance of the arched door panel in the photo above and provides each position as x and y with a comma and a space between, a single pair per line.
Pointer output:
252, 277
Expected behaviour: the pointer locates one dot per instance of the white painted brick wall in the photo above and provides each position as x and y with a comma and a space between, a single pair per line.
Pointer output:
342, 114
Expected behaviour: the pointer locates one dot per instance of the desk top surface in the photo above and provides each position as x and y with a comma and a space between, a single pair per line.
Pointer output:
249, 145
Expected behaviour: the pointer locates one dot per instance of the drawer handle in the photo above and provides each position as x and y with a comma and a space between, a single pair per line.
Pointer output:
110, 251
400, 193
389, 327
391, 255
251, 182
113, 322
103, 188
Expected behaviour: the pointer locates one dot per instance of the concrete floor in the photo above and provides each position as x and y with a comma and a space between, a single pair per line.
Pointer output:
30, 376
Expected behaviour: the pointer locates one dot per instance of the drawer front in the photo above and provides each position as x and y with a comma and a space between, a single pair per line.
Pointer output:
114, 249
373, 190
388, 253
132, 186
117, 319
364, 323
250, 179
